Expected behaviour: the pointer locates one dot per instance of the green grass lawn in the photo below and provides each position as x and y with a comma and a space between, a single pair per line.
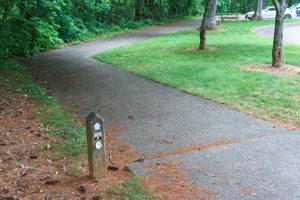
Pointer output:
219, 73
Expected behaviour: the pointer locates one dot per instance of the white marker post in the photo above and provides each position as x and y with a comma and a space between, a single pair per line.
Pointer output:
96, 145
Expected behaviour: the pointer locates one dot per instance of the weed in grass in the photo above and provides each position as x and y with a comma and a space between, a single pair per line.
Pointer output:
131, 189
42, 147
74, 144
219, 74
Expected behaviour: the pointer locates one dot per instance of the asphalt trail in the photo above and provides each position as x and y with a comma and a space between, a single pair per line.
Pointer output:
291, 32
148, 114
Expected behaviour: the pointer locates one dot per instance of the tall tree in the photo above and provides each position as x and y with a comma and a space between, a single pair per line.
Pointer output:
138, 10
212, 16
207, 21
280, 6
258, 11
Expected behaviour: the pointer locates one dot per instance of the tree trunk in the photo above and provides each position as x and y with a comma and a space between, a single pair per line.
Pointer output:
204, 26
138, 10
208, 17
258, 11
202, 38
212, 15
278, 33
277, 42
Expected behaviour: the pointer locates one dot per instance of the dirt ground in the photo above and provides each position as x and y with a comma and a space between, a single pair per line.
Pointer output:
285, 69
27, 172
170, 182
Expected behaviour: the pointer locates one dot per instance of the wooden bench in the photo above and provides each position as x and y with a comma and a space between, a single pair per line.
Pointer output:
229, 16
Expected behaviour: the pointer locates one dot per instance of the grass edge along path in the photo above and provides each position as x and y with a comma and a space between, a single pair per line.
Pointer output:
115, 31
58, 122
55, 120
219, 73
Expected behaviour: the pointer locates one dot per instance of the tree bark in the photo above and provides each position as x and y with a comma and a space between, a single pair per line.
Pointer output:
138, 10
258, 11
207, 21
212, 15
202, 39
204, 26
278, 33
277, 42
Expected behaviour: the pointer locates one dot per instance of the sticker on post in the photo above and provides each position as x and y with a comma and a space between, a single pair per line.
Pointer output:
97, 135
98, 145
97, 127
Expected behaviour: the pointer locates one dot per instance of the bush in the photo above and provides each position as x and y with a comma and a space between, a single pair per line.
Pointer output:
70, 29
27, 37
46, 34
14, 39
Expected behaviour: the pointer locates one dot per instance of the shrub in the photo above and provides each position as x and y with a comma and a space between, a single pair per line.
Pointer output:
46, 34
27, 37
69, 29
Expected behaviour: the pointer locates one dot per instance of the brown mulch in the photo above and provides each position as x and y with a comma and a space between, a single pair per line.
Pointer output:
171, 183
196, 49
190, 148
26, 172
248, 191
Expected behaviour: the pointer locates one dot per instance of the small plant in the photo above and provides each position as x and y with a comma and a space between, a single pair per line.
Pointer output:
18, 163
37, 114
131, 189
75, 170
42, 147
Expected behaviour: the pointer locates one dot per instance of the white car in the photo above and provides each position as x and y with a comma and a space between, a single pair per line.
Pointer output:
296, 7
270, 13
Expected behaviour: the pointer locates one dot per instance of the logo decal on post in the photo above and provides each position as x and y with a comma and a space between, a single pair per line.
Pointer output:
98, 145
97, 127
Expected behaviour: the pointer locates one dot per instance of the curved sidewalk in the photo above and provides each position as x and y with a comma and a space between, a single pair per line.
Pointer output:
151, 117
291, 32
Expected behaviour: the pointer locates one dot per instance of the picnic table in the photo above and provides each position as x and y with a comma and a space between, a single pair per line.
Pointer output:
228, 16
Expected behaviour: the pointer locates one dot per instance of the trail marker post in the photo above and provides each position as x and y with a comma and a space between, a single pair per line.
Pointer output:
96, 145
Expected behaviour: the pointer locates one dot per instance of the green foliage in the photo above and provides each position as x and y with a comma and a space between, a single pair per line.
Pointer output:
44, 34
131, 189
27, 37
18, 163
68, 30
42, 147
219, 73
28, 27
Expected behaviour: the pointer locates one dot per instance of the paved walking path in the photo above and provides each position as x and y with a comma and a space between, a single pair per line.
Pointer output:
155, 118
291, 32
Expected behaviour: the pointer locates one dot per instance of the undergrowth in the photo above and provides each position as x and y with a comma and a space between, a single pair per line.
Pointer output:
55, 120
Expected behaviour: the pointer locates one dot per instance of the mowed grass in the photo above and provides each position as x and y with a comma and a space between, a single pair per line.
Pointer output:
219, 73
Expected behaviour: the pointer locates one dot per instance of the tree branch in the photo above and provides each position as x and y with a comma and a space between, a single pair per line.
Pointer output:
277, 5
